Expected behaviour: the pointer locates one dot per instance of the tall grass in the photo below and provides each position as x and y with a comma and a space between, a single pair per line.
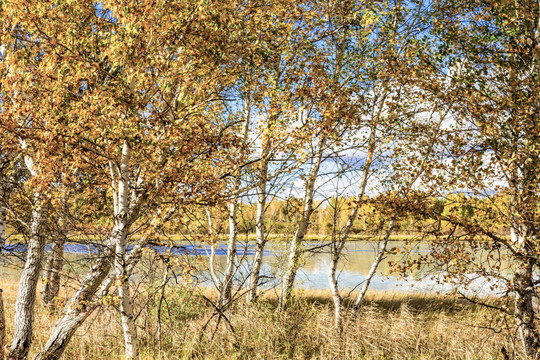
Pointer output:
390, 326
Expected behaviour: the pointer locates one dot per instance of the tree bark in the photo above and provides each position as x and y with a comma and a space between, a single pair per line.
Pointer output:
381, 251
225, 293
121, 225
52, 273
80, 306
295, 250
26, 295
261, 236
524, 230
212, 260
86, 299
526, 308
336, 251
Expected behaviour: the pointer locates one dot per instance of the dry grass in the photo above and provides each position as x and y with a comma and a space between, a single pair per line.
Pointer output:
390, 326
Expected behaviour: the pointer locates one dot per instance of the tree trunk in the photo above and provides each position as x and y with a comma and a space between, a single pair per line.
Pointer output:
226, 286
336, 297
26, 295
337, 250
85, 300
80, 306
121, 225
381, 251
53, 269
526, 303
526, 294
128, 318
266, 151
295, 250
261, 237
225, 292
212, 261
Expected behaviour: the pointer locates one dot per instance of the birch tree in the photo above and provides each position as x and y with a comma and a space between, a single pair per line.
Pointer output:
384, 49
281, 106
336, 101
489, 52
128, 112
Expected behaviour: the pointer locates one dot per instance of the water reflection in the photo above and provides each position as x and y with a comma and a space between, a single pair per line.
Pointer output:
357, 259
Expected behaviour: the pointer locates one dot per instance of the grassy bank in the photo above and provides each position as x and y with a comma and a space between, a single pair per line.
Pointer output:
390, 326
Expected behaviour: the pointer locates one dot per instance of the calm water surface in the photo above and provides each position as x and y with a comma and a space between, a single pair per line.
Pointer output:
357, 259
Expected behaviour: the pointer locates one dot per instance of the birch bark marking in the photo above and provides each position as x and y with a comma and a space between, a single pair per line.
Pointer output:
526, 293
120, 235
212, 262
225, 293
260, 235
53, 268
26, 294
523, 232
266, 145
78, 310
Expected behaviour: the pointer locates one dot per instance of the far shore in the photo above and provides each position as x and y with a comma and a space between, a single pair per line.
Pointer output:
206, 239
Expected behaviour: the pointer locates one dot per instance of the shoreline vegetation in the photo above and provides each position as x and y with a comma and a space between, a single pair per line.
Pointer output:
391, 325
17, 239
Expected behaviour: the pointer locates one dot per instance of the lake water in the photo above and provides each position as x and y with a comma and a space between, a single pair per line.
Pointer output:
357, 259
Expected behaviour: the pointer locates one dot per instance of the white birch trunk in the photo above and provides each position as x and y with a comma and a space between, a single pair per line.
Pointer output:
295, 250
226, 287
526, 298
332, 280
381, 251
260, 231
526, 307
225, 293
26, 294
80, 306
338, 249
121, 224
85, 300
52, 274
260, 234
212, 262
